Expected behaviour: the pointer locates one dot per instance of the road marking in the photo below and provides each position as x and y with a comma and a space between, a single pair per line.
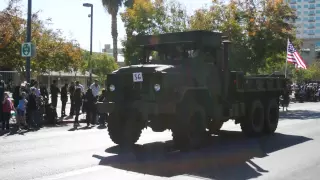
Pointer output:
72, 173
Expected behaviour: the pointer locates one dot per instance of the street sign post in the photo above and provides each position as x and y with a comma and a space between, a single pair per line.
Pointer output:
26, 49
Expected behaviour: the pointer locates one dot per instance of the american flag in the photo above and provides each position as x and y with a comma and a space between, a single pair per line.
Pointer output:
294, 57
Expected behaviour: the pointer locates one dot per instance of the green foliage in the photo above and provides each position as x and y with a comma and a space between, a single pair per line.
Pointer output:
53, 51
258, 29
102, 64
151, 17
312, 73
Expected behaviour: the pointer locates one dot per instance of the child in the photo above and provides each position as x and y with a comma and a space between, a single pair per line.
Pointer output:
7, 107
21, 110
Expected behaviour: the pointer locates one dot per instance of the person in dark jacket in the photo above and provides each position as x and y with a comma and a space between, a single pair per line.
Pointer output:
64, 99
54, 95
71, 92
77, 97
89, 106
16, 95
32, 108
102, 116
44, 92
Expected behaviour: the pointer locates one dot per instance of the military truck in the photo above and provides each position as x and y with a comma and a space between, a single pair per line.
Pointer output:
182, 82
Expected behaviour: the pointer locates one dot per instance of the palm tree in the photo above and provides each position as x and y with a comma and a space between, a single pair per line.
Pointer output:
112, 6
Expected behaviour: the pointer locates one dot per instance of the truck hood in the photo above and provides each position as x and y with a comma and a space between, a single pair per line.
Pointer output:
144, 68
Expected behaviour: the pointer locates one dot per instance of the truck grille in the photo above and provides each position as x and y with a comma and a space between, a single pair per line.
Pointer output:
134, 90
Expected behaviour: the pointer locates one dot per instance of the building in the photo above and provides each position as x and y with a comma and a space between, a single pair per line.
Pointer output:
308, 27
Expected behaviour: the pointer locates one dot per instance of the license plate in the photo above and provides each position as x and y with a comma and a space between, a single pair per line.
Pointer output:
137, 77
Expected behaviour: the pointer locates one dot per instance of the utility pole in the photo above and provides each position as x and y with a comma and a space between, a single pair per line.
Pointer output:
28, 59
91, 29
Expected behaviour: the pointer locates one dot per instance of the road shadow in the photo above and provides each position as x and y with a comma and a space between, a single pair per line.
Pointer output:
81, 128
227, 157
16, 131
300, 114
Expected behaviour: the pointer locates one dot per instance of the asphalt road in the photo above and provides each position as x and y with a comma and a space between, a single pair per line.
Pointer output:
59, 153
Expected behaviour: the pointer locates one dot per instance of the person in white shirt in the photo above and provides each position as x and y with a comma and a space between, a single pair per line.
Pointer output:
78, 85
95, 87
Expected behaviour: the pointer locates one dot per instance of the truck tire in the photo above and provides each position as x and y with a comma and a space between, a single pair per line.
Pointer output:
271, 117
124, 130
215, 126
188, 129
253, 123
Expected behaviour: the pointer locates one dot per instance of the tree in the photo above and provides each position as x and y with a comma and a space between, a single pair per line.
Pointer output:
112, 6
53, 51
102, 64
147, 17
258, 29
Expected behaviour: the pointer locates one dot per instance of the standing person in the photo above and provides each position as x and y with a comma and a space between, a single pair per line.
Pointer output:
77, 105
43, 91
71, 92
54, 90
32, 108
16, 95
78, 85
7, 107
89, 101
95, 87
64, 99
102, 116
21, 110
37, 115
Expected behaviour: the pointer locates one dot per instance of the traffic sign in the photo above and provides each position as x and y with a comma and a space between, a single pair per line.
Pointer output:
26, 49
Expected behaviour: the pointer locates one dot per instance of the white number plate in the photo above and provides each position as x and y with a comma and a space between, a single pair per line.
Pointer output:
137, 77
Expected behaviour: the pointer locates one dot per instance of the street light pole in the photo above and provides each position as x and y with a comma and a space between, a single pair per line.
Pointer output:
91, 34
28, 59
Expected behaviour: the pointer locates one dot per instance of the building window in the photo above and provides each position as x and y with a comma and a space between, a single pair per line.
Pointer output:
298, 13
293, 7
318, 31
305, 12
318, 24
317, 18
318, 5
305, 6
312, 6
318, 11
299, 6
310, 1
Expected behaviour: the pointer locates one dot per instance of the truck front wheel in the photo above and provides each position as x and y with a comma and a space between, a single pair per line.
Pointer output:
124, 130
253, 123
188, 129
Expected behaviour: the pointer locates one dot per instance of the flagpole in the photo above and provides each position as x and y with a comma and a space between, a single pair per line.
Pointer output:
285, 71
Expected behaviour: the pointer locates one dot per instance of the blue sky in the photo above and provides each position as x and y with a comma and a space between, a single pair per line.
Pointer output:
72, 18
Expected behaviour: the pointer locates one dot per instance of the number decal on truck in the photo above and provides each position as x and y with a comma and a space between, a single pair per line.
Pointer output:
137, 77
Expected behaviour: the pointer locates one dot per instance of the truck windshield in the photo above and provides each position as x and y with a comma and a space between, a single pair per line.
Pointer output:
168, 53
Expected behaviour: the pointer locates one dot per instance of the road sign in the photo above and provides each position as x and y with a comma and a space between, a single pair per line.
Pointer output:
26, 49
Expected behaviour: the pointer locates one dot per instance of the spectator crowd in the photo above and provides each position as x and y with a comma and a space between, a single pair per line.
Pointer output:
30, 106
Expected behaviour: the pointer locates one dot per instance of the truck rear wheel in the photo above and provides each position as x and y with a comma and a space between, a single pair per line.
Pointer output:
124, 130
188, 129
271, 117
252, 124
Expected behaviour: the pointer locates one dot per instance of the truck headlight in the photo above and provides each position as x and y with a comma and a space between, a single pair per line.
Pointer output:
112, 87
157, 87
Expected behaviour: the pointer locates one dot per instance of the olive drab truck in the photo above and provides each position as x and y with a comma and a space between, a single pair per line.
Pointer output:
182, 82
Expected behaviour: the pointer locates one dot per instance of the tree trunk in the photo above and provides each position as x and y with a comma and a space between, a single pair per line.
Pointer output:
114, 33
